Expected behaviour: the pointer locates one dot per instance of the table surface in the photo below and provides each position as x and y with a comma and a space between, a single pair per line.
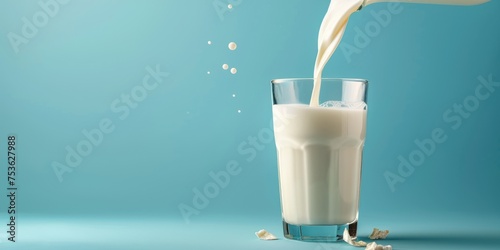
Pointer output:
237, 232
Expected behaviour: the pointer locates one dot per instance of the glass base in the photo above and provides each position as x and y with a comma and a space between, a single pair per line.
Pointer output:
319, 233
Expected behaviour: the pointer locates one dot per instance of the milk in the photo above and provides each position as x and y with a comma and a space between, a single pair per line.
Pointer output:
330, 32
319, 162
333, 26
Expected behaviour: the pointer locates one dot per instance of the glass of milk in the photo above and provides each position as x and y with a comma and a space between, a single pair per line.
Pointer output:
319, 151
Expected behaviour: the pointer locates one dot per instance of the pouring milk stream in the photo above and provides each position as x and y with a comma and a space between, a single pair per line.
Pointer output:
333, 26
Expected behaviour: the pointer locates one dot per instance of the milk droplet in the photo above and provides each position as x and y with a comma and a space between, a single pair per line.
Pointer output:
229, 6
208, 72
209, 42
234, 95
239, 111
233, 71
225, 66
232, 46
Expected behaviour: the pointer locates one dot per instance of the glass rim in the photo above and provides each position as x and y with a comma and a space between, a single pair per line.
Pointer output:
283, 80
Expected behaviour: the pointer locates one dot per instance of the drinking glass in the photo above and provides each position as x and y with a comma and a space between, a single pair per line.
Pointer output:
319, 153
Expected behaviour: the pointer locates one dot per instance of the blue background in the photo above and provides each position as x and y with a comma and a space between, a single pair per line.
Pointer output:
127, 191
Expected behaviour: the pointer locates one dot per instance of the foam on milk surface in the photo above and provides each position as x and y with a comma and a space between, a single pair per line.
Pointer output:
319, 162
340, 104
